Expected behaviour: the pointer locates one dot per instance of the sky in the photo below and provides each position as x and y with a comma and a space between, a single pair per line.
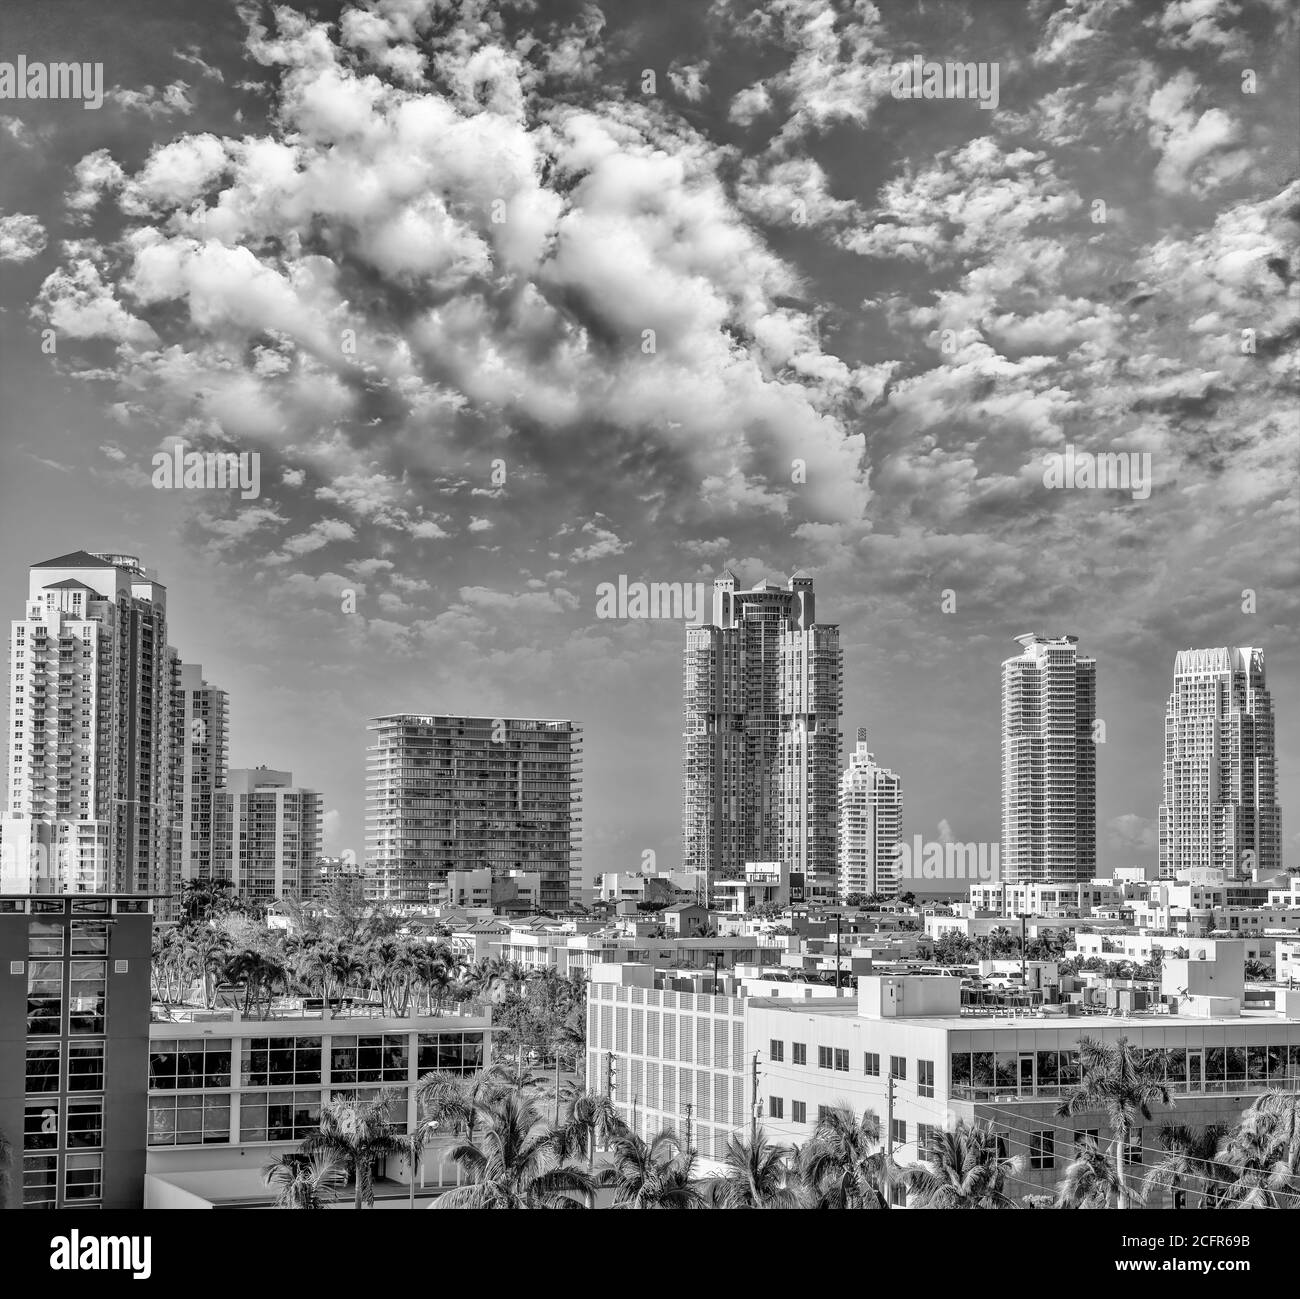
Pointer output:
512, 299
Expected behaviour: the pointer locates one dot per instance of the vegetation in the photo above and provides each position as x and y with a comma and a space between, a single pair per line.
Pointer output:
965, 1169
303, 1181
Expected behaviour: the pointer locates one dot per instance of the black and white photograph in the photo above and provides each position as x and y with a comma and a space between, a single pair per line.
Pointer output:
651, 604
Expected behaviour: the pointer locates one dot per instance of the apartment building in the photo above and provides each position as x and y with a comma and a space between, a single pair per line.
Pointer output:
1219, 808
451, 793
201, 717
762, 696
91, 780
1049, 763
871, 825
266, 834
74, 1044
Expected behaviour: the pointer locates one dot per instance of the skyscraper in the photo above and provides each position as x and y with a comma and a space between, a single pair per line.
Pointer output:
1219, 807
1049, 762
201, 724
462, 793
91, 777
871, 825
266, 834
761, 694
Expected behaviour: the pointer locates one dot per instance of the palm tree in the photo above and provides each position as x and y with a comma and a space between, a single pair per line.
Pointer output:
843, 1166
357, 1134
966, 1170
1123, 1083
757, 1176
455, 1100
517, 1163
657, 1174
411, 1145
1262, 1155
1189, 1158
589, 1117
1090, 1180
303, 1181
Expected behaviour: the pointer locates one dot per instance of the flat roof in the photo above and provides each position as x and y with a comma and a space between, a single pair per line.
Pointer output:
1084, 1023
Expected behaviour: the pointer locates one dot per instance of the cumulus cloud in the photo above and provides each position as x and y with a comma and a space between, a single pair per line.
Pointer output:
22, 237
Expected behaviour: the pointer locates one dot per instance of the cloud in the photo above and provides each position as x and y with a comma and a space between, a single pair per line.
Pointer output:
1198, 153
22, 237
153, 102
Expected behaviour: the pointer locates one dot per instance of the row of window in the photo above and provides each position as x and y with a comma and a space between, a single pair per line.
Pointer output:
263, 1116
83, 1178
86, 997
45, 1067
837, 1058
197, 1063
47, 938
82, 1123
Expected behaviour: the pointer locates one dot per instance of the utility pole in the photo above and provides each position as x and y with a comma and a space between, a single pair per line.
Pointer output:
839, 917
753, 1109
1022, 951
889, 1120
609, 1075
689, 1107
717, 961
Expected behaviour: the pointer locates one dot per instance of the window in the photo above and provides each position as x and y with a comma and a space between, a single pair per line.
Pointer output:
377, 1058
41, 1125
776, 1107
281, 1061
925, 1077
1002, 1145
898, 1130
87, 996
40, 1181
1133, 1148
1083, 1135
898, 1196
463, 1052
44, 997
898, 1067
799, 1052
927, 1138
194, 1120
86, 1123
86, 1067
189, 1063
798, 1112
44, 938
89, 938
842, 1059
83, 1177
278, 1116
776, 1051
1042, 1149
871, 1064
823, 1057
43, 1068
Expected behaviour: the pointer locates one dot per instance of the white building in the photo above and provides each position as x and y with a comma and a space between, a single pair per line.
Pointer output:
91, 733
447, 793
766, 883
1219, 808
761, 745
202, 741
1049, 762
871, 825
266, 834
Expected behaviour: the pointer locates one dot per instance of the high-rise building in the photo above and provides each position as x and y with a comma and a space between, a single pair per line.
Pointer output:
1049, 762
201, 724
761, 695
1219, 808
74, 1048
450, 793
871, 825
91, 765
266, 834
